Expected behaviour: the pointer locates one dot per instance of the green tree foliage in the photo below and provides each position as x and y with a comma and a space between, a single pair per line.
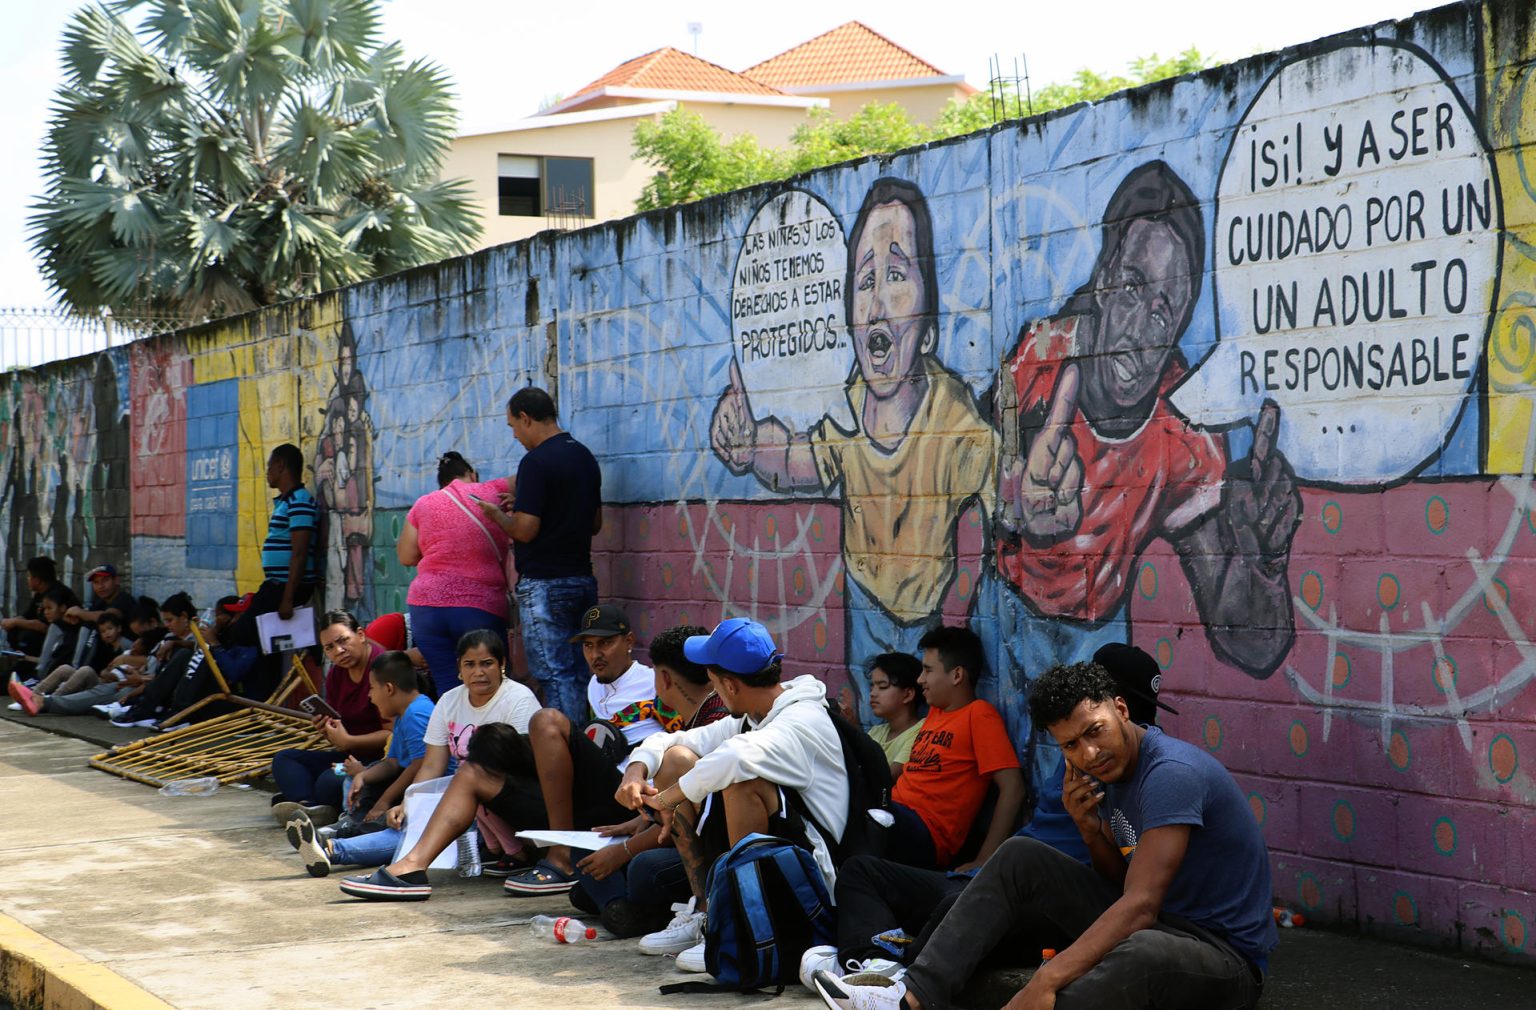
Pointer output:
211, 156
694, 162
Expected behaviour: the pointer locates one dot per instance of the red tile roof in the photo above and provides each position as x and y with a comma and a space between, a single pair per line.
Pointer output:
671, 69
849, 53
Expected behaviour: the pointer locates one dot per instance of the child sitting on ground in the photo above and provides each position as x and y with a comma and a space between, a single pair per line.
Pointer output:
106, 644
394, 689
896, 698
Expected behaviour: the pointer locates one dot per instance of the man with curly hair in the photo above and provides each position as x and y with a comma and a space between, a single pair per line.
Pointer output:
1174, 911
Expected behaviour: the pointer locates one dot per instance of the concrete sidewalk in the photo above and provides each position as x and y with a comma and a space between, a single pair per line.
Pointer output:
201, 902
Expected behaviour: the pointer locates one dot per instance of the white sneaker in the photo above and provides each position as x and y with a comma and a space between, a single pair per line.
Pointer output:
692, 959
863, 991
685, 930
825, 959
14, 706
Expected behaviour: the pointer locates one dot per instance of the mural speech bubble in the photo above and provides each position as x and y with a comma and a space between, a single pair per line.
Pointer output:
1355, 256
787, 311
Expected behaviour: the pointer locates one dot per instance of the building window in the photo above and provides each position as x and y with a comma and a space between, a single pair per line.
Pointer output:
531, 186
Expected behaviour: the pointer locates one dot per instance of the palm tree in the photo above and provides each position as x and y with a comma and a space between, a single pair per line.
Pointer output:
211, 156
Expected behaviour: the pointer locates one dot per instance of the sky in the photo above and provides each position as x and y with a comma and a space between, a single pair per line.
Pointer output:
508, 58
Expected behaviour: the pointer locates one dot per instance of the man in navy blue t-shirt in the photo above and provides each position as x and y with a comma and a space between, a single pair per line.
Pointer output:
1176, 909
556, 510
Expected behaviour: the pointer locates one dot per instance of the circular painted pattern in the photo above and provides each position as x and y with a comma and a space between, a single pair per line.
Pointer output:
1503, 758
818, 530
1399, 751
1512, 930
1311, 589
963, 583
838, 585
1164, 653
1333, 517
1309, 891
1445, 674
1530, 519
1343, 669
1437, 515
819, 635
799, 581
1146, 581
1389, 591
1404, 909
668, 575
1344, 821
643, 528
1212, 733
1500, 587
1298, 736
683, 525
771, 527
1259, 807
1444, 835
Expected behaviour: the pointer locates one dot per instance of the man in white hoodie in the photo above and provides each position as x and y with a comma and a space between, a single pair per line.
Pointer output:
713, 786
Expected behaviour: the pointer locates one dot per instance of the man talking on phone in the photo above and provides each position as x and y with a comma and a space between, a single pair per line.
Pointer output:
1175, 910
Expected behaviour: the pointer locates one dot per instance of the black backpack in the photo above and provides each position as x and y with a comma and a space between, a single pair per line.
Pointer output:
869, 788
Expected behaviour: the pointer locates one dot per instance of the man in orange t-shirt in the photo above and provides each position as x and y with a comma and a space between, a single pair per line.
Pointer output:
962, 749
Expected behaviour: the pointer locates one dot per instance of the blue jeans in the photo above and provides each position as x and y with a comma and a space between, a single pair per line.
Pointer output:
550, 612
654, 877
871, 632
437, 631
377, 848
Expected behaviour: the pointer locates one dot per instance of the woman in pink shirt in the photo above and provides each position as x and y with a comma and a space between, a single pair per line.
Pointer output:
460, 562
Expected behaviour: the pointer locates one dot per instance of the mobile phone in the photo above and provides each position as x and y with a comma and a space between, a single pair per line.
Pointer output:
316, 705
477, 498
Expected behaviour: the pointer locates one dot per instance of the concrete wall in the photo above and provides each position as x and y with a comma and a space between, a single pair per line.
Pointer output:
1295, 466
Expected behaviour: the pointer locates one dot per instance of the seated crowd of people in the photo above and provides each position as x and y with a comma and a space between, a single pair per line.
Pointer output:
1138, 879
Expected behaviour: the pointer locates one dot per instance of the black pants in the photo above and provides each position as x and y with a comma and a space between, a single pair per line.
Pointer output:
267, 670
875, 896
159, 694
1027, 883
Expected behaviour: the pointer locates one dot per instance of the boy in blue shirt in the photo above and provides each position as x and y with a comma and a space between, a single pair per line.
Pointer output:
394, 689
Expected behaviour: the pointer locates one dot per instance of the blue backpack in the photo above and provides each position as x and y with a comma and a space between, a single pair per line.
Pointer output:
768, 904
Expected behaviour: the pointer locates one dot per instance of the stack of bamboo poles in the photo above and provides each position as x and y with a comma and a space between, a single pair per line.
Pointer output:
232, 747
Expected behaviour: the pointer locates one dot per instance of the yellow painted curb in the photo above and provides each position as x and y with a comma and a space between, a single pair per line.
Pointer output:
38, 974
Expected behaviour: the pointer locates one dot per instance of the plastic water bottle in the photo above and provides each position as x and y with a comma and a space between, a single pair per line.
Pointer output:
564, 929
205, 786
469, 854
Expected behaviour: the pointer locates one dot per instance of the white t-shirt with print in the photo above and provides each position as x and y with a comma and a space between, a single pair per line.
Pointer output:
454, 719
629, 702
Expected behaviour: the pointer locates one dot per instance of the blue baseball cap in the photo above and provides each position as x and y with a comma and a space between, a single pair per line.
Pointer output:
739, 645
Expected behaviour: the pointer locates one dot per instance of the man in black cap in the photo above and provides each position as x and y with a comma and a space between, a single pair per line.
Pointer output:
580, 762
107, 593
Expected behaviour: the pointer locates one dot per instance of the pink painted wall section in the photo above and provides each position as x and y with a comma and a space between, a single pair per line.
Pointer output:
161, 373
1391, 758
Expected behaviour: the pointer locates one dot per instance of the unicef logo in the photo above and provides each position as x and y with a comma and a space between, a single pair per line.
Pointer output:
226, 465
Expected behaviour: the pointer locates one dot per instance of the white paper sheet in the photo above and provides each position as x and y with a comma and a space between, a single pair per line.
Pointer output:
421, 798
575, 839
298, 632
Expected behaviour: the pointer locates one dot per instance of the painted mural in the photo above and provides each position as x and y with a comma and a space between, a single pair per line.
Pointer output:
1238, 367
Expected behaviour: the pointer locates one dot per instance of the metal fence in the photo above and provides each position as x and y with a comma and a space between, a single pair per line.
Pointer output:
30, 337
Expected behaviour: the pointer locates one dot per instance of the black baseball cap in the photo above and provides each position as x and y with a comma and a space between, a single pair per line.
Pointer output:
1137, 677
603, 621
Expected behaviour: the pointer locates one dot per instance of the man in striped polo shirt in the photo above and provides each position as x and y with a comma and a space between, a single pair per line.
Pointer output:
287, 555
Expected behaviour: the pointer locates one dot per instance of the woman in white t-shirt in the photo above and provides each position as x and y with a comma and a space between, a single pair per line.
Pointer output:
485, 695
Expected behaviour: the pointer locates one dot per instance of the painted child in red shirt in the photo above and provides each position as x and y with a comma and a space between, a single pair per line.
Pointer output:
963, 748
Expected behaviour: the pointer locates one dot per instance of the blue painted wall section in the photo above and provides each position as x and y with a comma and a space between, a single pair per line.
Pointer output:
213, 421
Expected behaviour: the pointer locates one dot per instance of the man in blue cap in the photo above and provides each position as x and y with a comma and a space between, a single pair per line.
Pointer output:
716, 784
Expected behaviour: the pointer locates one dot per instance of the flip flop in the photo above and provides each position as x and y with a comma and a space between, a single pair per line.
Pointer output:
543, 878
381, 885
